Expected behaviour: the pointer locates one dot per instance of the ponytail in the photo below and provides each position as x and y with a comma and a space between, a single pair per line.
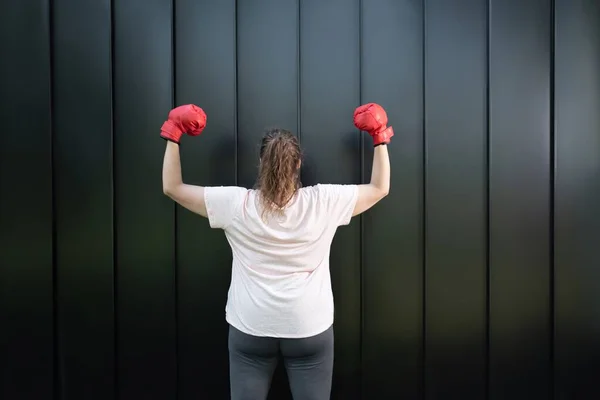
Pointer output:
279, 173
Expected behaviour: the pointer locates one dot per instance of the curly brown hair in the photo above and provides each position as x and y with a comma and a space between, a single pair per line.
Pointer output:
279, 169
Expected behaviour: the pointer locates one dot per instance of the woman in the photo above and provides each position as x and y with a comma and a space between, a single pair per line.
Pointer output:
280, 298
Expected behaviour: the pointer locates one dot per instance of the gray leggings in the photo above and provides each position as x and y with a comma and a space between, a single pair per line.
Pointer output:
308, 362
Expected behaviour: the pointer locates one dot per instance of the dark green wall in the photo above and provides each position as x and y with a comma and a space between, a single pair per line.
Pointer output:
476, 278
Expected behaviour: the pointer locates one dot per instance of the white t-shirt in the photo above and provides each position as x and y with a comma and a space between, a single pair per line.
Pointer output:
280, 281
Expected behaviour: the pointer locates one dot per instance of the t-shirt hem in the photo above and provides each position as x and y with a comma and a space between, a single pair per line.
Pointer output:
253, 332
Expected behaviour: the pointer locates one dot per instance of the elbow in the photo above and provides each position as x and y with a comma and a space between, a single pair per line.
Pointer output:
168, 191
378, 192
384, 192
169, 187
172, 190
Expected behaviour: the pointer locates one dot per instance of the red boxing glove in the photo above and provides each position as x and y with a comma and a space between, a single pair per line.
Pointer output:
373, 119
188, 119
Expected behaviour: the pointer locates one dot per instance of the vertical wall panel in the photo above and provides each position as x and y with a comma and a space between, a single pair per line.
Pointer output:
577, 197
392, 75
330, 91
25, 202
83, 192
267, 83
206, 77
146, 326
455, 198
519, 199
267, 49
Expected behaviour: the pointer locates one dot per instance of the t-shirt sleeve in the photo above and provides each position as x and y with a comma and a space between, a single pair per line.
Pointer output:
222, 204
339, 202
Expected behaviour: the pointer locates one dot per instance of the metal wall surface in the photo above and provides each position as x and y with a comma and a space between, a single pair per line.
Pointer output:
476, 278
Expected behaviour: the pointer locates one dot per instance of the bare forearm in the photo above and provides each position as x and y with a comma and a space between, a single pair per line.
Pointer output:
380, 173
171, 173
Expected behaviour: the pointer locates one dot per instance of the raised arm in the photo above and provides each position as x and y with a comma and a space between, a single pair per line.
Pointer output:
188, 196
372, 118
183, 119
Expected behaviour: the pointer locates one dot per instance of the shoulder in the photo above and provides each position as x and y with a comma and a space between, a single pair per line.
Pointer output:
222, 204
337, 201
319, 188
331, 194
224, 195
221, 191
329, 189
